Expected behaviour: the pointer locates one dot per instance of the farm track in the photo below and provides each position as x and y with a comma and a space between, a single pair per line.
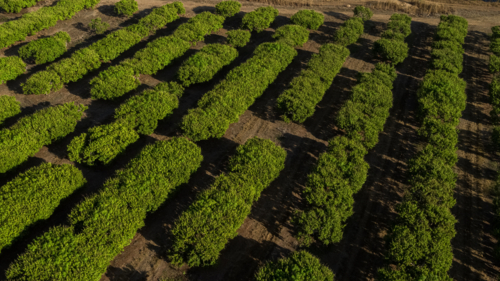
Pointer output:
267, 233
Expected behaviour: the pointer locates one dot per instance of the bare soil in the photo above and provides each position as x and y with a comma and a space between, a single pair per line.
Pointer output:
267, 233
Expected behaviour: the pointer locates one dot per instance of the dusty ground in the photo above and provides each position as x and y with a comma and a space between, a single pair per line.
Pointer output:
267, 233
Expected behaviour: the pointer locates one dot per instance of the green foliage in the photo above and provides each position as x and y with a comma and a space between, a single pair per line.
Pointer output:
308, 19
349, 32
224, 104
46, 49
400, 26
114, 82
307, 90
203, 230
259, 19
45, 17
363, 13
495, 100
15, 6
227, 8
452, 28
11, 68
202, 66
42, 83
31, 133
33, 196
293, 35
126, 7
495, 32
9, 107
238, 38
300, 266
199, 26
115, 44
340, 173
447, 59
174, 88
102, 225
494, 64
97, 26
74, 68
391, 50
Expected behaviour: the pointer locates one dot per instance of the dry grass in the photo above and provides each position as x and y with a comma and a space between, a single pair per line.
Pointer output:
293, 3
413, 7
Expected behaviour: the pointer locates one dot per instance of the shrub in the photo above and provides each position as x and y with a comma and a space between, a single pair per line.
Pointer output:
447, 59
494, 64
300, 266
363, 13
308, 19
393, 35
114, 82
31, 133
495, 32
173, 88
259, 19
349, 32
238, 38
495, 46
391, 50
203, 230
293, 35
199, 26
447, 44
115, 44
11, 68
102, 225
307, 90
9, 107
126, 7
15, 6
46, 49
97, 26
233, 96
401, 17
42, 83
202, 66
33, 196
400, 26
74, 68
227, 8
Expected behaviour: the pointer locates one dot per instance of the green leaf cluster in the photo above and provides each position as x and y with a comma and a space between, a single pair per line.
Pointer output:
31, 133
204, 229
495, 100
46, 49
15, 6
118, 80
45, 17
9, 107
238, 38
102, 225
85, 60
98, 26
33, 196
494, 65
306, 90
202, 66
229, 99
259, 19
392, 47
291, 34
227, 8
11, 68
363, 12
126, 7
308, 19
300, 266
349, 32
420, 241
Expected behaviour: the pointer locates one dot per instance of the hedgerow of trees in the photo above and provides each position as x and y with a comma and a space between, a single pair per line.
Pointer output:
227, 8
308, 19
46, 49
31, 133
126, 7
11, 68
420, 242
293, 35
33, 196
105, 223
204, 229
9, 107
259, 19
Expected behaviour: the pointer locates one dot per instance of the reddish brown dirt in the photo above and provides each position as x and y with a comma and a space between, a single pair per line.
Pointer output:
267, 233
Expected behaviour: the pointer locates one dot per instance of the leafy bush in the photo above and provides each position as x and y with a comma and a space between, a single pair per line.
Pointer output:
31, 133
495, 32
293, 35
224, 104
400, 26
9, 107
126, 7
447, 59
114, 82
494, 64
204, 229
15, 6
80, 63
363, 13
307, 90
42, 83
495, 100
227, 8
300, 266
400, 17
11, 68
33, 196
115, 44
97, 26
391, 50
202, 66
238, 38
45, 17
349, 32
199, 26
46, 49
259, 19
447, 44
105, 223
308, 19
